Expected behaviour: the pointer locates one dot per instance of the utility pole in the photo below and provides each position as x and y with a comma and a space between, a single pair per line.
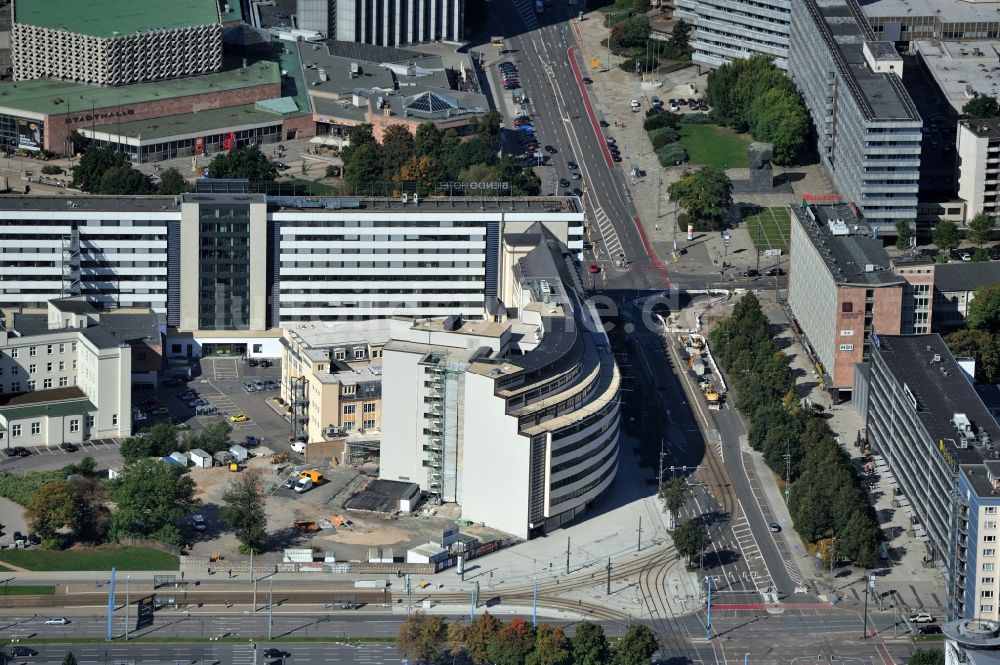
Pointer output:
607, 63
534, 605
638, 545
760, 232
788, 471
708, 622
127, 580
253, 581
270, 606
659, 477
864, 631
609, 576
567, 555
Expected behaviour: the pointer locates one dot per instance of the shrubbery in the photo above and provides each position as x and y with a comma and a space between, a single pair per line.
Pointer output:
662, 136
21, 487
672, 154
51, 169
826, 498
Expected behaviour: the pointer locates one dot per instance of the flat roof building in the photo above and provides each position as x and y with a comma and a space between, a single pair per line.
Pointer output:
947, 20
112, 42
727, 30
517, 419
927, 421
978, 145
869, 131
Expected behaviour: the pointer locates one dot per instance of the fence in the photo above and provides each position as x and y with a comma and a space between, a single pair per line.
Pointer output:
151, 544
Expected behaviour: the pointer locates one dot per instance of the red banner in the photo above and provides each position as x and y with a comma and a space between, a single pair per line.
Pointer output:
229, 141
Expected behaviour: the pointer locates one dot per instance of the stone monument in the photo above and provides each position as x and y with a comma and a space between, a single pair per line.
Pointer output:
761, 173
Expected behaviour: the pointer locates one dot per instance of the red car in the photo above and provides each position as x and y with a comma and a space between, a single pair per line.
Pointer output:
593, 270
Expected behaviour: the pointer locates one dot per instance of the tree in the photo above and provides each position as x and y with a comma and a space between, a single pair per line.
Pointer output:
212, 438
979, 229
151, 496
478, 637
50, 509
172, 182
778, 117
928, 657
160, 440
636, 646
674, 493
421, 637
983, 313
629, 33
91, 518
690, 538
680, 36
93, 165
243, 511
70, 659
358, 136
512, 643
945, 235
981, 107
456, 640
590, 645
423, 170
363, 168
123, 180
397, 149
706, 194
904, 235
243, 162
982, 346
672, 154
428, 139
551, 647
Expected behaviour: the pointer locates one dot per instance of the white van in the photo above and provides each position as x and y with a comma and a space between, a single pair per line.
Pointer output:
298, 447
304, 485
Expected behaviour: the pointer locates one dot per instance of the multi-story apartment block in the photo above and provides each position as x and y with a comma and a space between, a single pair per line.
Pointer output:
67, 381
528, 404
868, 129
726, 30
937, 438
955, 286
978, 146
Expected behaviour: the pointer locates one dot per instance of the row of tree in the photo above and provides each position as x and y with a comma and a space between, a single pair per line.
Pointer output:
110, 172
430, 156
981, 337
664, 134
752, 94
825, 498
165, 438
947, 237
425, 638
150, 498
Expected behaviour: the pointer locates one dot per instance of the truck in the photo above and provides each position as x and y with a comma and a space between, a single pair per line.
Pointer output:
304, 484
312, 474
712, 397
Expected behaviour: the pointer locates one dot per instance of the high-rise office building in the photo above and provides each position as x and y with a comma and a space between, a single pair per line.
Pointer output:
384, 22
727, 30
868, 128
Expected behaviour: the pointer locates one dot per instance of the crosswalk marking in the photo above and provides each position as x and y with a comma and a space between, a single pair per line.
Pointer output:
612, 244
526, 10
751, 553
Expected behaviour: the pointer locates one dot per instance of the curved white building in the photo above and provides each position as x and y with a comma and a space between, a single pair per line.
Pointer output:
515, 419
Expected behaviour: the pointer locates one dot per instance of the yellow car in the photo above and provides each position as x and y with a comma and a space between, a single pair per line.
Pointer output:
238, 418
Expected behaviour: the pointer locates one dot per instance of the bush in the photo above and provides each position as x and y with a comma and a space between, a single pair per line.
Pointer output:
51, 169
697, 119
660, 121
663, 136
672, 154
20, 488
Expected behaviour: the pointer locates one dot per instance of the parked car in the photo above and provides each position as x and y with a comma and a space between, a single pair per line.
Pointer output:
551, 149
249, 387
251, 441
18, 451
276, 653
587, 80
656, 101
205, 410
68, 447
298, 447
198, 522
750, 272
160, 411
572, 165
238, 418
929, 629
290, 483
57, 621
774, 527
774, 272
253, 362
921, 617
563, 182
22, 651
604, 123
281, 166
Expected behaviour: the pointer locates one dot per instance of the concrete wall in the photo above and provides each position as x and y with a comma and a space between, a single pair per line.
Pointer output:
402, 430
812, 295
972, 178
259, 259
495, 467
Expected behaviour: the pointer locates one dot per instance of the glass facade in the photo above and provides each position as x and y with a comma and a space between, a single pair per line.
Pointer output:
21, 133
224, 267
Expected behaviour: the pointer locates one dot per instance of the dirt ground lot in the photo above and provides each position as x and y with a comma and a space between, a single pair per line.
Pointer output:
349, 543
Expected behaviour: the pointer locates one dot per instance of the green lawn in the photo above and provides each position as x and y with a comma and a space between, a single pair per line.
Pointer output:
711, 145
97, 558
27, 590
768, 228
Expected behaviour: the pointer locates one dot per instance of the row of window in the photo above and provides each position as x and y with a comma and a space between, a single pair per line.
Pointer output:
15, 386
36, 426
49, 350
351, 409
